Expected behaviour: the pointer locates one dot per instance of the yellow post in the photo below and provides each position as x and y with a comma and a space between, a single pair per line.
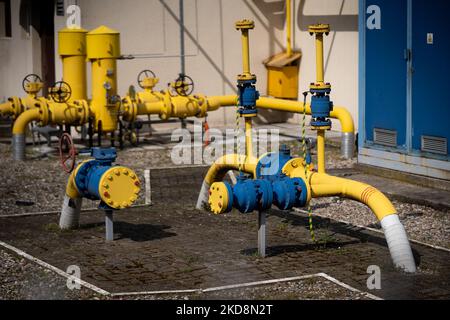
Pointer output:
319, 58
72, 50
318, 30
248, 137
321, 151
288, 27
244, 26
103, 49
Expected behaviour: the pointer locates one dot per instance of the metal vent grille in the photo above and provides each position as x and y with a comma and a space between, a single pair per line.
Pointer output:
434, 144
60, 8
385, 137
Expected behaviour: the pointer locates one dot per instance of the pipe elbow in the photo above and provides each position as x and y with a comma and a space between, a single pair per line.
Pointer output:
323, 185
395, 234
230, 162
71, 187
20, 125
344, 117
219, 169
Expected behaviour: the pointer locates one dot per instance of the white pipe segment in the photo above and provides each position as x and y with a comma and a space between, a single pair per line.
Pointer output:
203, 196
398, 243
70, 213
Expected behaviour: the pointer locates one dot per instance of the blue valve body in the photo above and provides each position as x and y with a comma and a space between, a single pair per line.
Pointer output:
271, 186
89, 174
321, 106
247, 96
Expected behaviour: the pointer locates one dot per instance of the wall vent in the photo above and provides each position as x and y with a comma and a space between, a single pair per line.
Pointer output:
434, 144
60, 8
385, 137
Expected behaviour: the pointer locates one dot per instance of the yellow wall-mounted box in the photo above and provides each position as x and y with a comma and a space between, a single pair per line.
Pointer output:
282, 75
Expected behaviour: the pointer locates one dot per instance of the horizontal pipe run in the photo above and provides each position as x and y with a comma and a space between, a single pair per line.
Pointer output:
339, 113
6, 109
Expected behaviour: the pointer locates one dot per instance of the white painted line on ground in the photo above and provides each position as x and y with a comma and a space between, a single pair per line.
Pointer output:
53, 268
374, 230
256, 283
150, 293
344, 285
252, 284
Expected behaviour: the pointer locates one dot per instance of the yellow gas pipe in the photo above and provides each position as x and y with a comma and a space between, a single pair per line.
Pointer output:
15, 105
288, 28
319, 30
321, 151
72, 51
320, 184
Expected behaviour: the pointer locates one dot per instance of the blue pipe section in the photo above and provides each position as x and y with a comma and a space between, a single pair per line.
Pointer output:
271, 186
90, 173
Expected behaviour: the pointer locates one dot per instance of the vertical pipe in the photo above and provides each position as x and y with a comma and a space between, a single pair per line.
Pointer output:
288, 28
148, 186
319, 57
248, 138
245, 52
182, 50
70, 213
321, 151
109, 225
262, 233
182, 46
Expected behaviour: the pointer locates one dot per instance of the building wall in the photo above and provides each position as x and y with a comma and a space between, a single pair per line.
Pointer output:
19, 55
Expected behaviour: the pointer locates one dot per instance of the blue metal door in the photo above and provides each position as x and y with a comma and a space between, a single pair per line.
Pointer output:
430, 73
385, 69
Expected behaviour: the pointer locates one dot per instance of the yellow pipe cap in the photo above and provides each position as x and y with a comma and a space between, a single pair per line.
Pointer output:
119, 187
218, 198
103, 43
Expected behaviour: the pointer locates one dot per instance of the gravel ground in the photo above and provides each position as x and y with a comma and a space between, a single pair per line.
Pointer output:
20, 279
422, 223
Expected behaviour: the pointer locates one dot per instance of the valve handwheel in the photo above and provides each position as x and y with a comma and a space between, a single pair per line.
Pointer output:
67, 152
60, 92
31, 78
143, 75
184, 85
